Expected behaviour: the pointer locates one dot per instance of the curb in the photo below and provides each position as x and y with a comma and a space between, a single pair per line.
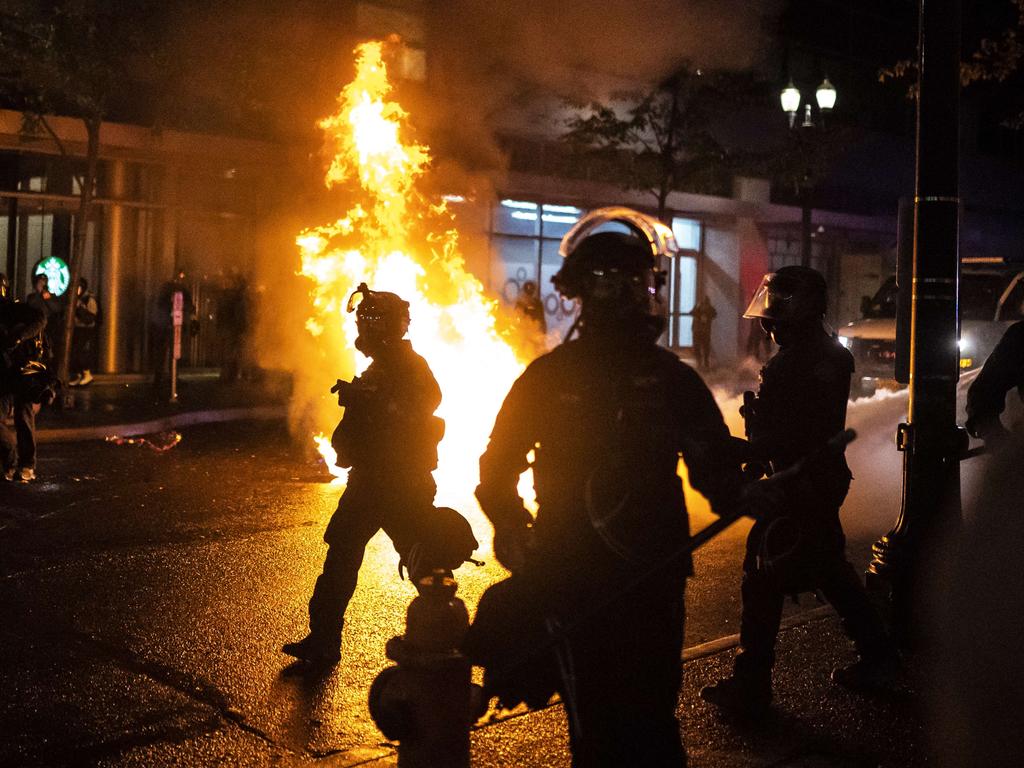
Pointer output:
693, 653
721, 644
187, 419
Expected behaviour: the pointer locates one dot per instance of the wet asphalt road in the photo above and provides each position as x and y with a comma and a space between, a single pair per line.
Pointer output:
144, 597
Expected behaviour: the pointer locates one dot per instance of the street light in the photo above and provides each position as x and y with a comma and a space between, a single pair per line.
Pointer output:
790, 98
825, 95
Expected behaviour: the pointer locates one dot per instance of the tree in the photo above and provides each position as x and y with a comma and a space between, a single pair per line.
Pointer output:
664, 142
996, 59
71, 57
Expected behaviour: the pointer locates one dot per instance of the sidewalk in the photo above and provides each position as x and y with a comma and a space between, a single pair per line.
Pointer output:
127, 405
813, 723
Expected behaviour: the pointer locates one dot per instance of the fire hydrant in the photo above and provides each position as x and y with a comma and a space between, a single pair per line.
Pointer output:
426, 703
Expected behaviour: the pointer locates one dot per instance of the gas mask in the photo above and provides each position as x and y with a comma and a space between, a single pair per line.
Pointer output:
615, 275
382, 319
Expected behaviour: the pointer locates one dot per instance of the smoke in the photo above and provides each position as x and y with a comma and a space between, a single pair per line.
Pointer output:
491, 68
511, 66
975, 677
873, 504
561, 46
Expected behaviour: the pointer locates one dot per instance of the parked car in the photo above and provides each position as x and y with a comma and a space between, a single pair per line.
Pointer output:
991, 298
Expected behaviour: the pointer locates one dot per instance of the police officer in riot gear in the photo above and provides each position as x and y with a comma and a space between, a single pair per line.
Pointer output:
21, 349
388, 436
986, 397
607, 416
800, 404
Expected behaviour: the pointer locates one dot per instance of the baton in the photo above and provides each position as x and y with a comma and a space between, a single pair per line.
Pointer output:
557, 633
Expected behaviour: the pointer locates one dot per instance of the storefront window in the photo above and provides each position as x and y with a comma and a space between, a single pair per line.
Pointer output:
687, 232
682, 281
515, 217
525, 241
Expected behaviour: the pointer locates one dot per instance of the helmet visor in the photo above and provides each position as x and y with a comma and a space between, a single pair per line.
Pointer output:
657, 235
768, 302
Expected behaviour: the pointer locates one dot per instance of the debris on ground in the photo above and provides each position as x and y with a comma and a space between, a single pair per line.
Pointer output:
159, 442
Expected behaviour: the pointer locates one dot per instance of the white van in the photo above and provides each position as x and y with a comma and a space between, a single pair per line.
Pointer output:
991, 298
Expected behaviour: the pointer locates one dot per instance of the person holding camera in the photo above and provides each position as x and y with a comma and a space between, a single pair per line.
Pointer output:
388, 438
24, 383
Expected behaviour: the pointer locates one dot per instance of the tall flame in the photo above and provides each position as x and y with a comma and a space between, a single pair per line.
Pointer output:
397, 240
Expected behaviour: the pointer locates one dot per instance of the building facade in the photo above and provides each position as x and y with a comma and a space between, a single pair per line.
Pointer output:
726, 246
165, 202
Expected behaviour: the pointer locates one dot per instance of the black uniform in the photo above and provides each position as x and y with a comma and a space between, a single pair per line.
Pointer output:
21, 329
1003, 370
52, 310
801, 404
607, 418
388, 436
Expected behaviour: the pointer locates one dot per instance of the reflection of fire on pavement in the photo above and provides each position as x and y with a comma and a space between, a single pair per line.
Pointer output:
397, 239
159, 442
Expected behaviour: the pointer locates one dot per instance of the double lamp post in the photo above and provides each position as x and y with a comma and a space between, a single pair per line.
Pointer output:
791, 98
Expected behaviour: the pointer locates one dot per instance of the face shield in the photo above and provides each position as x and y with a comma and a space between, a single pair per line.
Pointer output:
767, 303
790, 295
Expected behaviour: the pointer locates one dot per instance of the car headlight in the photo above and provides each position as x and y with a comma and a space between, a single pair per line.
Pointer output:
845, 341
964, 344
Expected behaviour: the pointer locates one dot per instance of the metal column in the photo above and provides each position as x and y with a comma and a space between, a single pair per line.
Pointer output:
112, 266
930, 440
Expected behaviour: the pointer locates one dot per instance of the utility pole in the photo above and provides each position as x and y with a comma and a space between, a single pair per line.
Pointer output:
931, 441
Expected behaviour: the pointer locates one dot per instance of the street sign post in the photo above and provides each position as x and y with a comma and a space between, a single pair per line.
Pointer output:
177, 318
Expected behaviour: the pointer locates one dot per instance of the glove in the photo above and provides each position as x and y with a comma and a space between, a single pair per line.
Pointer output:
762, 500
989, 429
755, 470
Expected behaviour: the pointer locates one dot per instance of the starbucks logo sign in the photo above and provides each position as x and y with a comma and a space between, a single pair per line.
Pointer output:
57, 273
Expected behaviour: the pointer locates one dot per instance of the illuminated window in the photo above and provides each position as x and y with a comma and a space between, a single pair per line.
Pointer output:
525, 239
687, 232
682, 282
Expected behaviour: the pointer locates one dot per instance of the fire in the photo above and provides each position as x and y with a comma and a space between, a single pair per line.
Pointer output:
323, 444
398, 240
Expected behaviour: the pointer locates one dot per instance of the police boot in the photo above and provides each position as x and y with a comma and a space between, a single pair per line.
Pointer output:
878, 667
748, 693
738, 697
315, 649
869, 674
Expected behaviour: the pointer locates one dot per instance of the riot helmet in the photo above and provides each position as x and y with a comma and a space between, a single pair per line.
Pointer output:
789, 300
382, 318
615, 275
5, 287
